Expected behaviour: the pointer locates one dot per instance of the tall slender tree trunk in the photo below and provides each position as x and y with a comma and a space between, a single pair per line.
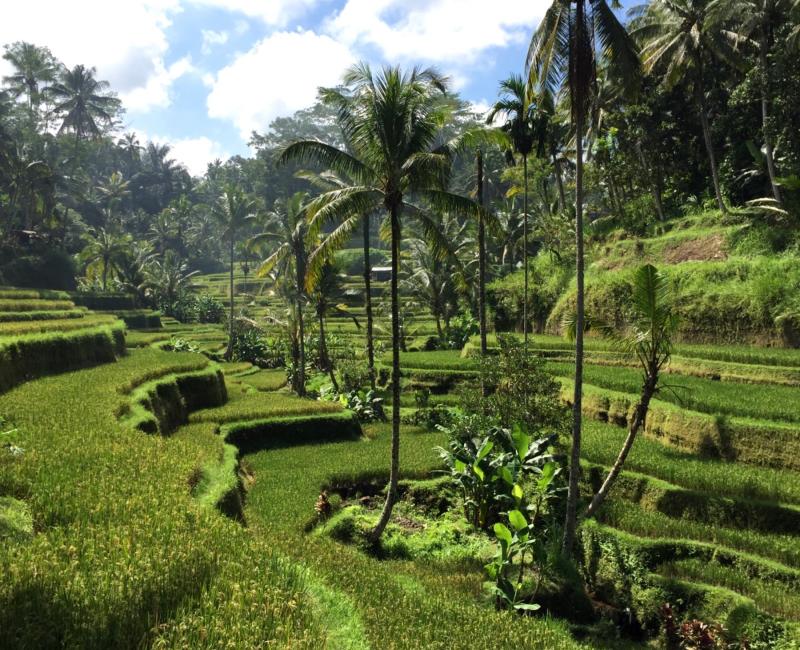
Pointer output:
324, 357
765, 124
562, 199
301, 366
575, 457
229, 351
525, 251
639, 416
481, 259
712, 159
368, 303
394, 469
654, 187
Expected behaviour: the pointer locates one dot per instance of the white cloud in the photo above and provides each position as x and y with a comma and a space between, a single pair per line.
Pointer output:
192, 153
276, 13
278, 76
439, 31
212, 38
126, 41
155, 93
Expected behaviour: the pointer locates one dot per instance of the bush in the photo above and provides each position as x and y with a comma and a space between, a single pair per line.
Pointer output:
51, 269
548, 279
209, 309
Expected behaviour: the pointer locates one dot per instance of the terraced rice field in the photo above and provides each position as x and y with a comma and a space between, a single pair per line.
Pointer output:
197, 536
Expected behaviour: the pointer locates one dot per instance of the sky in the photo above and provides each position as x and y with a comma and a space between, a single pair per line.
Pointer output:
201, 75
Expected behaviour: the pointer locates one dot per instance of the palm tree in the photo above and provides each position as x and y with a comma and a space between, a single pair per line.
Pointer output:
288, 229
33, 67
649, 336
329, 181
106, 249
114, 190
85, 103
232, 210
391, 121
524, 125
326, 296
563, 52
168, 278
681, 39
761, 19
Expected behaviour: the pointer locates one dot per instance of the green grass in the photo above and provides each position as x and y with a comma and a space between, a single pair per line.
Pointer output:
28, 304
244, 406
602, 442
693, 393
630, 518
16, 522
125, 556
442, 612
769, 596
10, 329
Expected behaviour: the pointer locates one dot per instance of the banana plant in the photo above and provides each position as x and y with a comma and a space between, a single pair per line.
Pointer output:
521, 544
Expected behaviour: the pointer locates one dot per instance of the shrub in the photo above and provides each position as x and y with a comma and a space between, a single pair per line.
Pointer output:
51, 269
515, 388
209, 309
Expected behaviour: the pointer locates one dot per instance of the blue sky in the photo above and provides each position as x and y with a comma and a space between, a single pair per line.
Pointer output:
202, 74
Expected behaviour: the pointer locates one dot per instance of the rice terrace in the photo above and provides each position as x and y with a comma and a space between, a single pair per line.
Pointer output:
445, 324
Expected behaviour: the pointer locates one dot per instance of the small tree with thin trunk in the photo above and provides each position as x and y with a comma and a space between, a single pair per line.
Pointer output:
649, 336
232, 210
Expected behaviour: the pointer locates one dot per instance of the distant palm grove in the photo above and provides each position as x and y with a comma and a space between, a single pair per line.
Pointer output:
415, 375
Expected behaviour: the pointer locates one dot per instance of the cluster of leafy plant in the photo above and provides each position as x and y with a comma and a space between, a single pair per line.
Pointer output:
366, 404
180, 344
251, 344
209, 309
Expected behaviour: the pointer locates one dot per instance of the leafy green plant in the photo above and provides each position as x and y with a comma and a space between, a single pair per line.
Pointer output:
490, 464
209, 309
367, 405
521, 541
461, 328
179, 344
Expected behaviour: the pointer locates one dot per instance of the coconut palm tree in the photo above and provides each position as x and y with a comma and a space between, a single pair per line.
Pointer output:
760, 20
525, 126
113, 192
289, 230
564, 53
84, 102
232, 210
106, 249
649, 336
34, 67
681, 40
391, 121
328, 181
326, 296
168, 279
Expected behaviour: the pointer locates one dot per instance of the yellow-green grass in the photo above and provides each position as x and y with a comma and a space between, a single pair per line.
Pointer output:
254, 405
123, 556
602, 442
748, 440
399, 604
8, 316
706, 396
55, 325
769, 596
747, 354
12, 293
31, 304
619, 566
29, 356
266, 380
629, 517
